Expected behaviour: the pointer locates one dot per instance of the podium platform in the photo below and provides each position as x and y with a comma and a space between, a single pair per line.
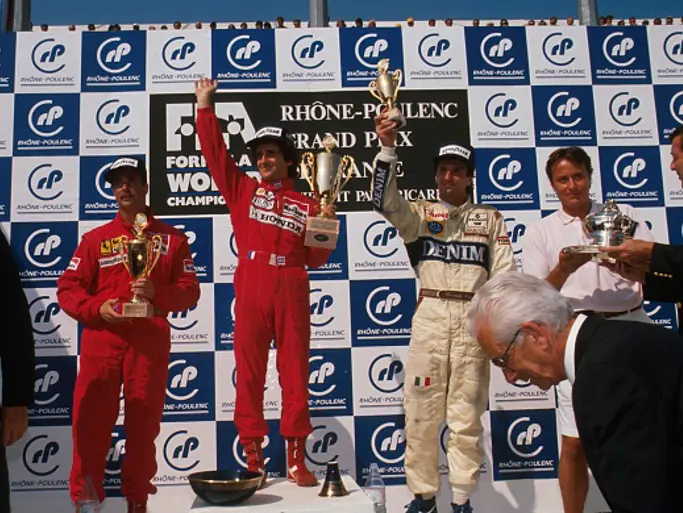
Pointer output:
278, 496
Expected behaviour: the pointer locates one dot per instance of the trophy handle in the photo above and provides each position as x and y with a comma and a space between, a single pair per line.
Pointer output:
306, 164
347, 163
373, 91
398, 75
153, 256
124, 251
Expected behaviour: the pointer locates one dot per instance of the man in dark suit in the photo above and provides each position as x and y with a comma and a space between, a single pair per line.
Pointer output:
17, 355
627, 395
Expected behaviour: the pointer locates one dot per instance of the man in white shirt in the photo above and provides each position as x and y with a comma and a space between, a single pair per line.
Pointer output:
587, 285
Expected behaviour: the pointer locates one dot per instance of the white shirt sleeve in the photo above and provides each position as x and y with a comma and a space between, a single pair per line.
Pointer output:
535, 254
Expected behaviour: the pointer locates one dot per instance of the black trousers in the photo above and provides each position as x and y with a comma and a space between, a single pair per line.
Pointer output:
4, 475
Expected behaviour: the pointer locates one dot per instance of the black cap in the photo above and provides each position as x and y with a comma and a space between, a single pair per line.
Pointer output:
280, 136
462, 151
135, 164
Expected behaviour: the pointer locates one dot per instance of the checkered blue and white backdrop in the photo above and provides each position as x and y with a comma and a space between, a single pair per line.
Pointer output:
72, 101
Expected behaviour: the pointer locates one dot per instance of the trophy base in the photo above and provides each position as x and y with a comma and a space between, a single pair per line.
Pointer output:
138, 310
322, 232
589, 249
395, 114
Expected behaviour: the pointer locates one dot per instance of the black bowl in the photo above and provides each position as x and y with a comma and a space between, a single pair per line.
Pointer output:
223, 487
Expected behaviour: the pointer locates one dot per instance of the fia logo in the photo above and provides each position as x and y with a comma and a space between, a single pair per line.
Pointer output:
110, 116
46, 56
42, 315
369, 49
380, 305
502, 171
319, 446
176, 52
494, 48
42, 118
626, 169
42, 182
39, 248
111, 53
116, 453
182, 321
498, 109
673, 48
47, 378
178, 451
306, 52
563, 110
320, 305
241, 52
181, 375
433, 50
381, 239
318, 382
40, 456
556, 49
522, 438
616, 48
388, 443
103, 187
623, 108
386, 373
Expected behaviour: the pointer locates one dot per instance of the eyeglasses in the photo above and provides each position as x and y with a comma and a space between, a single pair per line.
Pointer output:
501, 361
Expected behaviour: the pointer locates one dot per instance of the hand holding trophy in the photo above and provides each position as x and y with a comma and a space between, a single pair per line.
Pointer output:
385, 89
140, 255
327, 173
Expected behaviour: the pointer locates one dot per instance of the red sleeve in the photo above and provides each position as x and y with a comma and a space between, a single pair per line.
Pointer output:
75, 284
182, 293
229, 178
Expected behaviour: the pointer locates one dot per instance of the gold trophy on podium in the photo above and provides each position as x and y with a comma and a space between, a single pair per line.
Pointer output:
386, 88
140, 255
326, 173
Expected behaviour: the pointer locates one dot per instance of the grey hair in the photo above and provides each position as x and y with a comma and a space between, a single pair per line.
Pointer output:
510, 299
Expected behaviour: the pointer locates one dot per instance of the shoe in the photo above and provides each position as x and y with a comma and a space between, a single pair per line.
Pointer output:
420, 505
297, 472
255, 460
136, 508
462, 508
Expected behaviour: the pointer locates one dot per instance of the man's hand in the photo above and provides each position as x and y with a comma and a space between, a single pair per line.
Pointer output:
14, 423
108, 314
636, 253
570, 262
386, 130
625, 271
144, 287
330, 211
203, 90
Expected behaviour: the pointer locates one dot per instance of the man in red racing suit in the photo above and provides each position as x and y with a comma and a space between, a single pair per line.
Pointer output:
116, 350
271, 283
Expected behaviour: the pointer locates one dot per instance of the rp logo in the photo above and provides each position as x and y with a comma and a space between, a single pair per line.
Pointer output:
42, 182
516, 234
563, 110
556, 49
522, 437
306, 52
498, 109
432, 49
494, 48
387, 443
42, 118
378, 237
380, 305
103, 187
39, 456
616, 48
673, 48
42, 315
676, 107
175, 53
111, 53
240, 52
181, 375
386, 373
39, 247
651, 312
182, 321
369, 48
115, 455
238, 453
178, 449
501, 174
43, 384
318, 378
320, 304
109, 117
626, 169
623, 108
46, 54
319, 444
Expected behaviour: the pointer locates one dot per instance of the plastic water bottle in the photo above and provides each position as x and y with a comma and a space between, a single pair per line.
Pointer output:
88, 502
374, 488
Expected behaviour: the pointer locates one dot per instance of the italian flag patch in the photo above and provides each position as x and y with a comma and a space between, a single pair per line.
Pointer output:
422, 381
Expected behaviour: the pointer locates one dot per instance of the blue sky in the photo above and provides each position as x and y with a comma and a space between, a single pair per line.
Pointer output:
64, 12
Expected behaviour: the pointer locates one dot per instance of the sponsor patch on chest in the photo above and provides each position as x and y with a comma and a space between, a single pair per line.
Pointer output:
295, 209
264, 199
435, 227
110, 261
477, 223
275, 219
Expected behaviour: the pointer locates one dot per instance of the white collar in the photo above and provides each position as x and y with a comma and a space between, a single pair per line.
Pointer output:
570, 349
566, 218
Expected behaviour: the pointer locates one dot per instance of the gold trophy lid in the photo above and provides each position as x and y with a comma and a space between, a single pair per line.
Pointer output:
329, 143
383, 65
140, 223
